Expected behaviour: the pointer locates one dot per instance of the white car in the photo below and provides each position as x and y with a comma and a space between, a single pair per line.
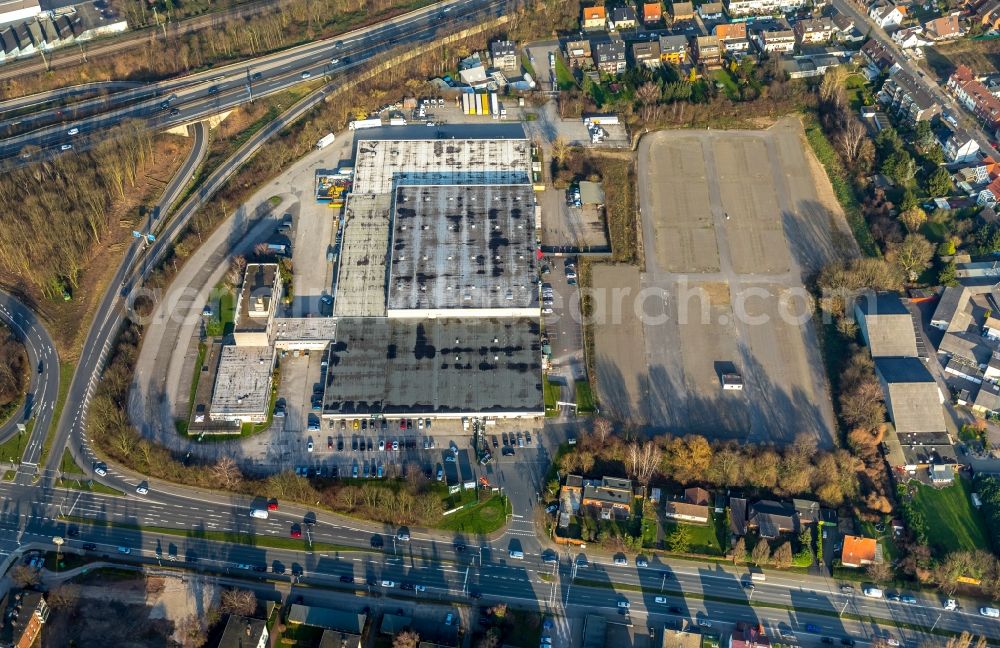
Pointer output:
989, 612
306, 75
65, 147
624, 604
141, 490
662, 600
309, 446
420, 588
334, 61
101, 469
73, 131
388, 583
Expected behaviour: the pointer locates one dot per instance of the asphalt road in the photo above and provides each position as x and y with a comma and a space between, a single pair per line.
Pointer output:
193, 97
44, 386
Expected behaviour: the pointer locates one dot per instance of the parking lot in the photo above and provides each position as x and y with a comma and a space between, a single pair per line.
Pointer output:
562, 326
729, 239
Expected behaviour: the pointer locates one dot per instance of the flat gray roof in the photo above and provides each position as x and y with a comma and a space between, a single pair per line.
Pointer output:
361, 273
242, 381
378, 163
456, 247
256, 298
436, 366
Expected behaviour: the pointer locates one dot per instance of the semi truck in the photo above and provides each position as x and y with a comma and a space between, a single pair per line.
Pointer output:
359, 124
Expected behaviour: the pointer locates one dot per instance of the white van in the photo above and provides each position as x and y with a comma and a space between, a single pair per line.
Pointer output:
519, 555
872, 592
258, 513
989, 612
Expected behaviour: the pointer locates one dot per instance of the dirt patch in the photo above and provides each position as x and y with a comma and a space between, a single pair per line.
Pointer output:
717, 293
68, 321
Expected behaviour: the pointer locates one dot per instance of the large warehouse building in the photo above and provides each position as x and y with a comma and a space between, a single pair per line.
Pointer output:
436, 298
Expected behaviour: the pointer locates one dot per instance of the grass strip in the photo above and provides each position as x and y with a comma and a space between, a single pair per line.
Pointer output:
89, 486
229, 537
66, 370
714, 598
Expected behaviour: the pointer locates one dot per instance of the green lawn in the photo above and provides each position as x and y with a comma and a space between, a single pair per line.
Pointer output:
68, 465
66, 371
648, 533
728, 85
9, 475
86, 485
12, 449
483, 518
223, 312
952, 523
703, 538
584, 398
564, 77
550, 393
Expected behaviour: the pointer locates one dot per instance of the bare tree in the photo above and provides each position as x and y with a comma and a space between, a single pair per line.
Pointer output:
191, 632
602, 430
649, 457
238, 601
228, 473
761, 553
64, 596
740, 551
782, 555
406, 639
853, 143
24, 576
648, 95
880, 572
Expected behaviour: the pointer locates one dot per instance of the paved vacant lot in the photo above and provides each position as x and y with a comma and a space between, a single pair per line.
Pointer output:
732, 222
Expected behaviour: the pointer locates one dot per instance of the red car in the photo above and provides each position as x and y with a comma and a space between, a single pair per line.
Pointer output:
296, 531
272, 505
402, 424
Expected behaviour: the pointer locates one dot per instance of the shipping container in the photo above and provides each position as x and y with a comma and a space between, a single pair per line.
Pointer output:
494, 104
397, 121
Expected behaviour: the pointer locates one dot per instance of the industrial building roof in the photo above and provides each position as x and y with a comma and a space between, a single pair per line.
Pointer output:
951, 314
436, 366
242, 381
256, 301
293, 329
912, 397
495, 154
462, 247
887, 325
360, 284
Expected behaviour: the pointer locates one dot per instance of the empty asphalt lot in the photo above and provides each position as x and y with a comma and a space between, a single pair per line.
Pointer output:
732, 222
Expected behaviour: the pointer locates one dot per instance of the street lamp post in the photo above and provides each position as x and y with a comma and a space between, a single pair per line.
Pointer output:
58, 542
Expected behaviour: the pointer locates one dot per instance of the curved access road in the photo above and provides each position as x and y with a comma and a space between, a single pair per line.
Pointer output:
44, 385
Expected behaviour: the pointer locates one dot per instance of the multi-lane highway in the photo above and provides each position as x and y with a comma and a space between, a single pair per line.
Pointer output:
43, 388
203, 94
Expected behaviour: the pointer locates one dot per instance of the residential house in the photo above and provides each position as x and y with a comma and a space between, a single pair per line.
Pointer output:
972, 347
646, 53
942, 475
878, 56
349, 625
951, 314
595, 18
974, 96
990, 194
612, 498
987, 15
992, 371
959, 147
622, 17
738, 516
743, 8
674, 49
776, 39
579, 55
652, 12
570, 499
684, 512
244, 632
24, 614
905, 96
885, 14
610, 56
772, 518
503, 54
912, 397
711, 11
886, 325
987, 400
846, 31
910, 37
807, 511
696, 495
859, 552
707, 51
944, 28
733, 37
811, 31
802, 67
681, 11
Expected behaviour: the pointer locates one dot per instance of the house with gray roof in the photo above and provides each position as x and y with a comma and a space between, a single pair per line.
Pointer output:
912, 397
772, 518
972, 347
952, 312
738, 516
886, 326
987, 401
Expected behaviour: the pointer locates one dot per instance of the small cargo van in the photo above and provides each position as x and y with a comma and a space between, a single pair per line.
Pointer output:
518, 555
258, 513
872, 592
